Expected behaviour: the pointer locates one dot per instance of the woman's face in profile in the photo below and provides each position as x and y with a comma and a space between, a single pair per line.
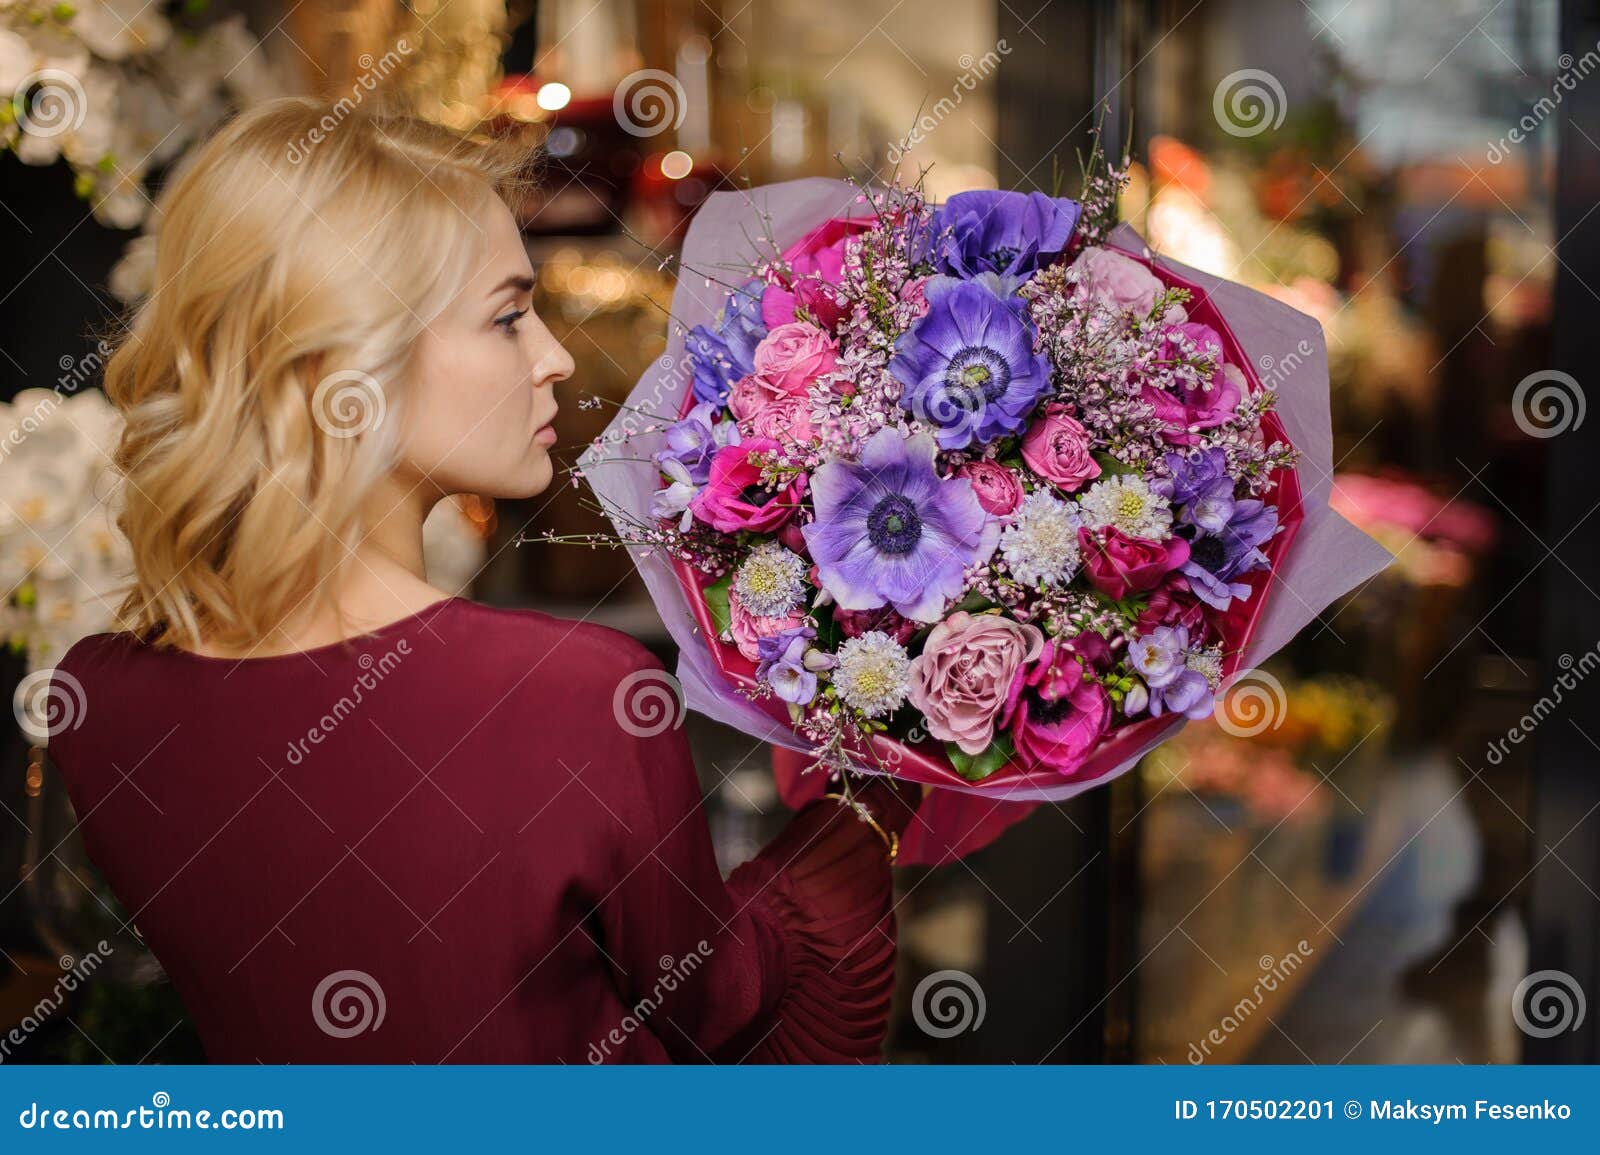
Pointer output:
481, 398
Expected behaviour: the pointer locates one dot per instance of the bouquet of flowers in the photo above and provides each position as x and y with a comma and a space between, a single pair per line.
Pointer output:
967, 493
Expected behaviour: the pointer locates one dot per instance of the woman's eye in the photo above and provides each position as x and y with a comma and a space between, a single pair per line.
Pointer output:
508, 321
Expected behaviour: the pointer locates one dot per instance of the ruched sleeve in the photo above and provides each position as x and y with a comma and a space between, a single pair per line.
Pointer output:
790, 960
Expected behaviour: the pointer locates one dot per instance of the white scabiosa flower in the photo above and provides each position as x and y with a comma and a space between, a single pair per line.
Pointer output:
1125, 501
1041, 542
772, 581
1207, 663
873, 674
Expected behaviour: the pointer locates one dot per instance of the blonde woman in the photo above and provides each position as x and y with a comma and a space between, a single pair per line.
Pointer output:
356, 819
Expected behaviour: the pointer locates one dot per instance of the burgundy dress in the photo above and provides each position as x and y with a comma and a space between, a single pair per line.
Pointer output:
437, 843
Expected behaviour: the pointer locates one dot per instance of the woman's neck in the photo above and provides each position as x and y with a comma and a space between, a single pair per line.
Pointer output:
381, 581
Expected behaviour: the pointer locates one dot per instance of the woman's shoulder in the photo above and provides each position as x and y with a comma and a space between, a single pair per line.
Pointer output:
572, 648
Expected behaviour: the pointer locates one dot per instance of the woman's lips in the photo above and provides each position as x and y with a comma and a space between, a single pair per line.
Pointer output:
546, 435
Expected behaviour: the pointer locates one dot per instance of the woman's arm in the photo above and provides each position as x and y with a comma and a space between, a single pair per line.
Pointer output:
791, 960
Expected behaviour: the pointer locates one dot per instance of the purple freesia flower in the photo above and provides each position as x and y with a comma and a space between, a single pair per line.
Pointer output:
1010, 233
720, 355
1215, 559
969, 365
693, 441
889, 530
1162, 659
1201, 487
781, 664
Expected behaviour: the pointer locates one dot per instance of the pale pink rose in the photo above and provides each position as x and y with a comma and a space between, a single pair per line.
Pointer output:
792, 356
1117, 280
786, 420
748, 629
996, 487
749, 396
1056, 447
961, 678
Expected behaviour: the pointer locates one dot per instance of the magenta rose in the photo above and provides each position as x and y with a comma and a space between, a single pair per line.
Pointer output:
733, 499
816, 262
1056, 710
748, 629
996, 487
884, 619
1117, 564
961, 678
786, 420
1173, 604
1203, 404
1117, 281
792, 356
1056, 447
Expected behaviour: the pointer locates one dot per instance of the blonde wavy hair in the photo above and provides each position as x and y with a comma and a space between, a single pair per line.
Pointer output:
301, 252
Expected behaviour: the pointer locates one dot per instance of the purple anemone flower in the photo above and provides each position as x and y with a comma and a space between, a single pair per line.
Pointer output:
693, 441
720, 355
969, 365
890, 531
1215, 559
1002, 232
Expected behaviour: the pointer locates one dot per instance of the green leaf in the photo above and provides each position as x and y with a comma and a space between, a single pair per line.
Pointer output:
1110, 465
716, 595
977, 767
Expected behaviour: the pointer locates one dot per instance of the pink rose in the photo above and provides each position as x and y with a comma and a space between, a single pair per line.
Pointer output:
792, 356
1117, 280
854, 623
1056, 447
786, 420
1204, 403
748, 629
1117, 564
996, 487
1056, 709
733, 499
816, 263
961, 678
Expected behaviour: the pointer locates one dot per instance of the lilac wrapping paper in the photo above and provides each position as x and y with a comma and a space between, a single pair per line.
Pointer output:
1329, 557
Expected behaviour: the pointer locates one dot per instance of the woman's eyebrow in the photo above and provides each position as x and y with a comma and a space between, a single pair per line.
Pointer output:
519, 281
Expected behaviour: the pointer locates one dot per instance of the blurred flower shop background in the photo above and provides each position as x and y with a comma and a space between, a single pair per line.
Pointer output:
1339, 866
